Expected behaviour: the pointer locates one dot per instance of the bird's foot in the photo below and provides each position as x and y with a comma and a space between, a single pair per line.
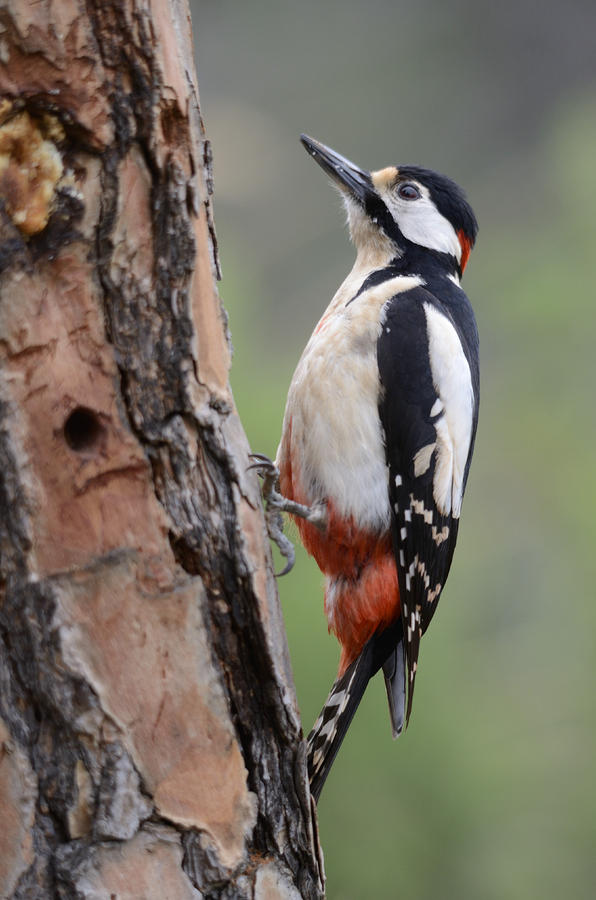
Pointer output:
276, 504
315, 514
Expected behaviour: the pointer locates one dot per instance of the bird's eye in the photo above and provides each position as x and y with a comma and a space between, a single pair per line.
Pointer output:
408, 191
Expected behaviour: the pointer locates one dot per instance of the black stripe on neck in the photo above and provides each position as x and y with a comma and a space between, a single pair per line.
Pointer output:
416, 261
378, 276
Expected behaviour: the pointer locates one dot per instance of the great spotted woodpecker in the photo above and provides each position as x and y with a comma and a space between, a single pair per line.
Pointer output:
379, 430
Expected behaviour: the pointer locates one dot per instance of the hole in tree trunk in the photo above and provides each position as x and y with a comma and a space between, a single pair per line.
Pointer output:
83, 430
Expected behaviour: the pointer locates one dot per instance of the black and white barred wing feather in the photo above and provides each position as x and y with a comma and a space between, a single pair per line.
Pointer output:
429, 409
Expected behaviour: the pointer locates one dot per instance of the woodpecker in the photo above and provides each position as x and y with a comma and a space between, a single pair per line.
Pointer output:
379, 430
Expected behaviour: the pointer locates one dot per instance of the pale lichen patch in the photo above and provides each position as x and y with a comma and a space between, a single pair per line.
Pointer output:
5, 109
80, 815
30, 169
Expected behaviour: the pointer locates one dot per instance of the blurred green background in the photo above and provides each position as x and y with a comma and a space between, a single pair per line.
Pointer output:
492, 791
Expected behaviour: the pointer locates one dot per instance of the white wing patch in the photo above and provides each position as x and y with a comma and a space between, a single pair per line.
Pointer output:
453, 383
422, 459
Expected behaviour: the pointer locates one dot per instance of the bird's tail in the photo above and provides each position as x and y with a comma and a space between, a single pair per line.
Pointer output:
394, 670
324, 741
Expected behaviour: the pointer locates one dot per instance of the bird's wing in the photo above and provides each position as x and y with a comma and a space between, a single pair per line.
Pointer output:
428, 408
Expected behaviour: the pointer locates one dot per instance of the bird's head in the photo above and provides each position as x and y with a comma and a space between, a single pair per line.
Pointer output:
401, 210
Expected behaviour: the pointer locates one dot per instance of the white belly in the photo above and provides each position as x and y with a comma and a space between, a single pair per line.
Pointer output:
337, 443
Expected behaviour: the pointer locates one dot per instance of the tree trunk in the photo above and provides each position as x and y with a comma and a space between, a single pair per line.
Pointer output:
150, 743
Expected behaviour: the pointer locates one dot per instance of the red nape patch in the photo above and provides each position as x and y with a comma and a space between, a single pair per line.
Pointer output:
466, 247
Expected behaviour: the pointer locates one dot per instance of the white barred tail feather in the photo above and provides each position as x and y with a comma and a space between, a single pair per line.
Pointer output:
384, 648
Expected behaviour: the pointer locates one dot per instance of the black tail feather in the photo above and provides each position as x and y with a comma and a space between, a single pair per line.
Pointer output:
394, 670
330, 728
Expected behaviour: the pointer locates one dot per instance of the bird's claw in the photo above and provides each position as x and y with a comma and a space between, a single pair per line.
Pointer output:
276, 503
268, 471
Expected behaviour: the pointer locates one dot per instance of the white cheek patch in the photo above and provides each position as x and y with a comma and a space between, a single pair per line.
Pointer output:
421, 222
453, 382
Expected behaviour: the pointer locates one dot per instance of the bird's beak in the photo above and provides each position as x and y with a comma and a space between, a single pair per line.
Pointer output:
349, 177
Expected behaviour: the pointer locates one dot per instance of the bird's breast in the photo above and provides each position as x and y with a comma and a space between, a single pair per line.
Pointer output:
332, 444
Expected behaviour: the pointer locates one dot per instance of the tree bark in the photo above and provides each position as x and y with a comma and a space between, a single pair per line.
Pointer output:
150, 742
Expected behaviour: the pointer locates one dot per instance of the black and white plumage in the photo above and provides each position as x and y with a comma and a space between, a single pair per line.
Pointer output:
379, 427
428, 368
334, 719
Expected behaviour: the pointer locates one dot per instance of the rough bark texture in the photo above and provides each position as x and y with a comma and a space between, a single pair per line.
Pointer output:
150, 744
